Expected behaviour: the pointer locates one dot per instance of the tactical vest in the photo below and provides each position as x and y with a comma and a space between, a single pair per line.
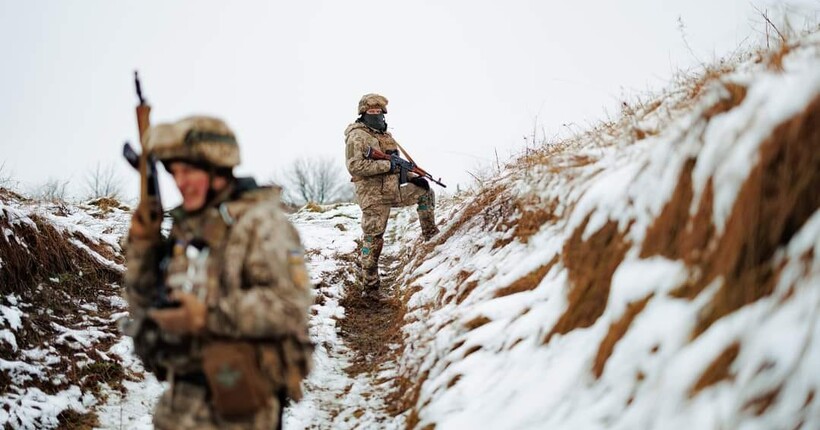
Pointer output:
284, 361
386, 185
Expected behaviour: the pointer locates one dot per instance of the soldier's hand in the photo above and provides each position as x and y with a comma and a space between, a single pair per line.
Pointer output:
188, 318
143, 229
420, 182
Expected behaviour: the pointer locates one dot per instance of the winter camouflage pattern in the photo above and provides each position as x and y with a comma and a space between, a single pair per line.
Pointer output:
372, 101
256, 289
378, 190
197, 138
371, 250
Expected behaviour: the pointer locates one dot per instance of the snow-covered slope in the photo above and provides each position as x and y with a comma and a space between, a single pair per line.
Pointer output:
660, 272
64, 363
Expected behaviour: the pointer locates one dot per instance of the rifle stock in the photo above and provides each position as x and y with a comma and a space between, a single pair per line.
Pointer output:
405, 165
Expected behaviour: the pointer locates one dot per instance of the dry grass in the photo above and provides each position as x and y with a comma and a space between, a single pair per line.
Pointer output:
484, 201
529, 281
73, 420
775, 58
735, 94
312, 207
7, 194
591, 264
476, 322
665, 235
47, 253
471, 350
54, 277
406, 396
465, 290
454, 381
107, 204
718, 371
534, 214
697, 84
761, 403
777, 198
616, 331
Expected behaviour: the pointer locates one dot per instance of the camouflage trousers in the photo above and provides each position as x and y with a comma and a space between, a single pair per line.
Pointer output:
374, 223
185, 407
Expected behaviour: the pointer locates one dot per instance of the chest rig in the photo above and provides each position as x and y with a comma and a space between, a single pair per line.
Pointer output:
197, 247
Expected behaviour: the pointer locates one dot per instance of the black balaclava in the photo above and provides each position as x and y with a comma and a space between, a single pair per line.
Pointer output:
375, 121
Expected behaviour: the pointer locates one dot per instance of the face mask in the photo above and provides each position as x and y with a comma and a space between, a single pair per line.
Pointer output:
375, 121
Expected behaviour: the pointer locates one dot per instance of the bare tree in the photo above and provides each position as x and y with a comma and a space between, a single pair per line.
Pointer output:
318, 180
53, 190
5, 177
103, 182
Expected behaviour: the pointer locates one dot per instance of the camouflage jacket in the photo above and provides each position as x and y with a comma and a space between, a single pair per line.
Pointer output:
374, 184
253, 280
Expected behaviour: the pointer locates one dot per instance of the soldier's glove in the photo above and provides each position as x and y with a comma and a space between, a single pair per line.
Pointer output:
420, 182
144, 229
188, 318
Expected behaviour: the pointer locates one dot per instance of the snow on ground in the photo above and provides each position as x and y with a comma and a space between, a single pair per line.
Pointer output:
35, 399
334, 399
132, 409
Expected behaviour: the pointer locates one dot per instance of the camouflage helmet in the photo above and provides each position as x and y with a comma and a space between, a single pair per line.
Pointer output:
372, 101
199, 140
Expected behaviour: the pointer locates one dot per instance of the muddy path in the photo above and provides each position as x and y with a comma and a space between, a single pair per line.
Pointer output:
357, 337
372, 323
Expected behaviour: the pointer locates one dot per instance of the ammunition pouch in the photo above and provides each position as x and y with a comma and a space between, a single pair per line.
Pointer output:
237, 385
285, 364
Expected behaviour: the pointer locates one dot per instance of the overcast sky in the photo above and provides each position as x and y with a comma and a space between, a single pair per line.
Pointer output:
465, 79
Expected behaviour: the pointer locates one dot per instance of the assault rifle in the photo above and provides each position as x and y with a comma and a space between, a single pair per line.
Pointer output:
404, 165
150, 206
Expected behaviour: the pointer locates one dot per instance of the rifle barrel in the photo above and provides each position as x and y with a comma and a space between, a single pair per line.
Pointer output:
139, 87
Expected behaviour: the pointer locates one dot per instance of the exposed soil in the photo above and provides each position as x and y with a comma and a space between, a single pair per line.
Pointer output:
372, 322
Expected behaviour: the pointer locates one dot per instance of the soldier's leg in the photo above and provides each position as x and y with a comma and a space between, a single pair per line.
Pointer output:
427, 214
374, 222
426, 203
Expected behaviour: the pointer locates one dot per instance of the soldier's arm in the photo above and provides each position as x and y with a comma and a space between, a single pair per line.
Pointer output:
356, 146
275, 294
141, 277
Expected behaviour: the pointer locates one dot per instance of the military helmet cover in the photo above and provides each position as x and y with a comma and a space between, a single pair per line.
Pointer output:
372, 101
196, 139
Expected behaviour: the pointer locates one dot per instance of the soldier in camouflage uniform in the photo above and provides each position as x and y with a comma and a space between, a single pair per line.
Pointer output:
377, 185
234, 343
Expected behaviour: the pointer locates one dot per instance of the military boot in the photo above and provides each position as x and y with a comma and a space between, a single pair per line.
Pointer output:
370, 252
427, 217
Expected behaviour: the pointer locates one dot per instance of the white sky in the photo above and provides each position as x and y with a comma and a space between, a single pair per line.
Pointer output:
464, 78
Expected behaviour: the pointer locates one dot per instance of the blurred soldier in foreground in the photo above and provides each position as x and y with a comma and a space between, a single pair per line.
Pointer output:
219, 308
379, 186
